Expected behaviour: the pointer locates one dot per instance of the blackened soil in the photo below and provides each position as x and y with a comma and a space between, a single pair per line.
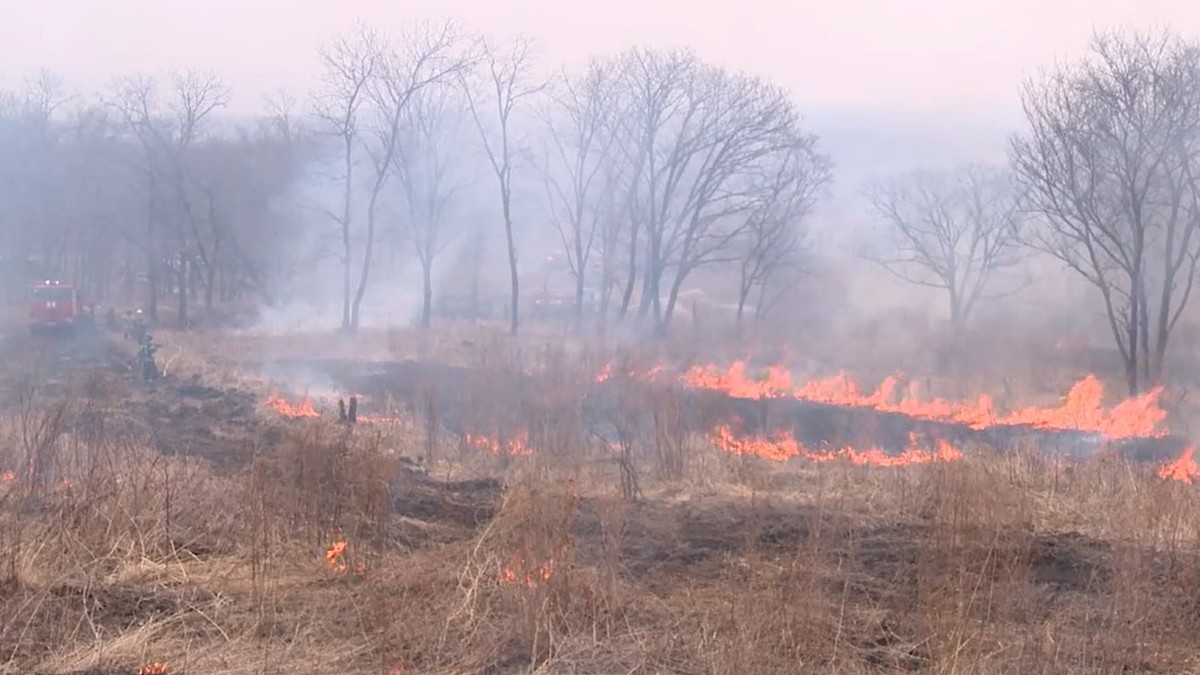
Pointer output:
110, 610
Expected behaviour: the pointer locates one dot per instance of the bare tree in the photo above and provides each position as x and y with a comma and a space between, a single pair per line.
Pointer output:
657, 89
774, 237
614, 225
951, 230
134, 183
283, 118
167, 132
424, 57
429, 172
579, 157
697, 133
195, 97
1110, 162
350, 63
31, 167
506, 84
135, 99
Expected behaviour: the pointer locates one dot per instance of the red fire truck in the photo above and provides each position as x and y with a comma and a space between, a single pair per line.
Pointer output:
57, 306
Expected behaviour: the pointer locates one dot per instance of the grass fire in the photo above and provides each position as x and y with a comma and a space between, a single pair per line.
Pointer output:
445, 359
521, 507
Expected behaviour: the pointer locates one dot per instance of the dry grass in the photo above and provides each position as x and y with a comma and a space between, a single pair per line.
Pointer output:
113, 556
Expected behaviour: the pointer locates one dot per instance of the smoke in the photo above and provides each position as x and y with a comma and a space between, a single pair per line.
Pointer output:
301, 377
469, 255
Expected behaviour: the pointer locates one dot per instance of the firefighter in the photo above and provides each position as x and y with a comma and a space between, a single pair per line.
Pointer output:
135, 326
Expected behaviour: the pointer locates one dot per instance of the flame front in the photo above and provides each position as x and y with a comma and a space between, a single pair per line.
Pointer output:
157, 668
1184, 469
783, 446
518, 445
303, 409
1081, 410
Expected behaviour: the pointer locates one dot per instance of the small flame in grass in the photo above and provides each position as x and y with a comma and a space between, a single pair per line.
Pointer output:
606, 373
1184, 469
782, 447
7, 478
333, 556
518, 445
519, 571
157, 668
306, 408
303, 409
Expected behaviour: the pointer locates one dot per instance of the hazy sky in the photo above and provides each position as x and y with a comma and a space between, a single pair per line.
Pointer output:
954, 56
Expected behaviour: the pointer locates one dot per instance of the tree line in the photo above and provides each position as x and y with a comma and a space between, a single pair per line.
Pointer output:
1103, 179
648, 166
644, 168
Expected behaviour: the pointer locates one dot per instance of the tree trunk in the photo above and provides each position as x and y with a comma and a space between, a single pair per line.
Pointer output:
515, 304
631, 277
579, 300
957, 318
1135, 325
662, 323
152, 261
346, 197
193, 283
366, 266
345, 278
476, 265
426, 291
745, 293
605, 299
183, 292
152, 282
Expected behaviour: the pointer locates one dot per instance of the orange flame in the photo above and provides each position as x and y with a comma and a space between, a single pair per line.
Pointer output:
306, 408
303, 409
532, 574
516, 446
8, 477
333, 556
783, 447
1081, 410
157, 668
1184, 469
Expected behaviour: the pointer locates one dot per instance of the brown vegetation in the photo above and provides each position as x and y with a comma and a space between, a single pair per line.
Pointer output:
394, 548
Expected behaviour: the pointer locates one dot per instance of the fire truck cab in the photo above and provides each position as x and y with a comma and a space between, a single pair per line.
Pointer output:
56, 306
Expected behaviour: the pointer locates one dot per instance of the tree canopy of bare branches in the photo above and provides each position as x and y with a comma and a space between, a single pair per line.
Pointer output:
429, 167
654, 164
951, 230
1110, 163
581, 129
505, 83
772, 244
693, 135
167, 130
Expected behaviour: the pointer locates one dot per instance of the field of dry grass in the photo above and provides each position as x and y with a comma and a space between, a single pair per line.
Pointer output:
378, 549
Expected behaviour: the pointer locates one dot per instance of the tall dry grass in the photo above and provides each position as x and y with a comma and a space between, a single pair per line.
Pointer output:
659, 555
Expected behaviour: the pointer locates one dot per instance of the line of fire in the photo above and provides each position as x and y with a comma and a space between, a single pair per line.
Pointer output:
766, 413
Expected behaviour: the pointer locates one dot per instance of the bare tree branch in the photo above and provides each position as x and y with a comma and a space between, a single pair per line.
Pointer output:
504, 84
951, 230
1108, 164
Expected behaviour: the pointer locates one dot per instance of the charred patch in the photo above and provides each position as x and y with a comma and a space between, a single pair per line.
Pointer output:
1069, 562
